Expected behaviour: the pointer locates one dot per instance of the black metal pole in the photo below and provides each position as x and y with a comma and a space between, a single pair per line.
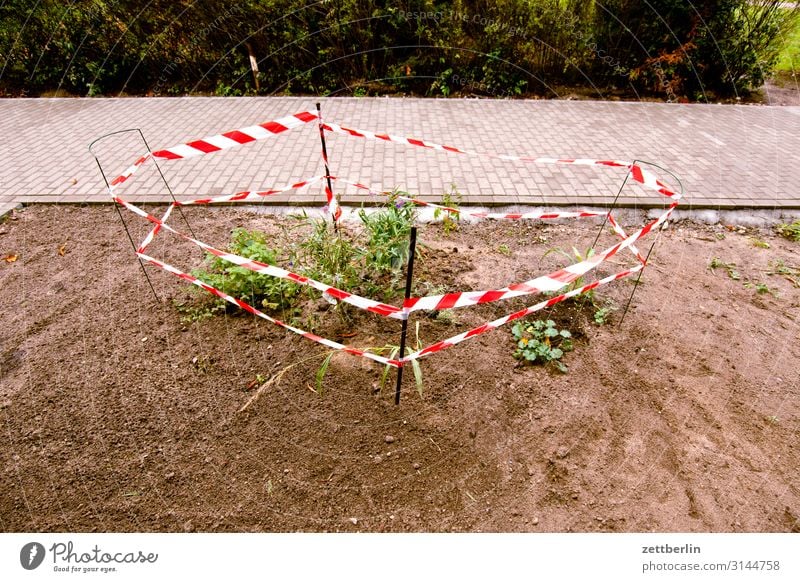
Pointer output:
636, 284
412, 248
325, 161
164, 179
125, 226
613, 205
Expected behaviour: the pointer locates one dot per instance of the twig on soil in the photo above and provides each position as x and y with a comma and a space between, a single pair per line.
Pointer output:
274, 380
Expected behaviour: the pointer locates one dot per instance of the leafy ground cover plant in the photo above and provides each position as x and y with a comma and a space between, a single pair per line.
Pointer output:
730, 268
267, 292
451, 199
790, 231
540, 341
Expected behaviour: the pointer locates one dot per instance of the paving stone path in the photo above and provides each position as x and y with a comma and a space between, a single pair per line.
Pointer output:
726, 156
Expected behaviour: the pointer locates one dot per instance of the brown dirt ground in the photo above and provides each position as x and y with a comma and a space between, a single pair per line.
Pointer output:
116, 416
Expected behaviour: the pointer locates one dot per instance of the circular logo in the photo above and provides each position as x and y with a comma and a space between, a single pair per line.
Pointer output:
31, 555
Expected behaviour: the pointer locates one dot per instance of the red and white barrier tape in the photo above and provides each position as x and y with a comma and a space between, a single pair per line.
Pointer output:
250, 309
263, 268
441, 345
546, 283
236, 137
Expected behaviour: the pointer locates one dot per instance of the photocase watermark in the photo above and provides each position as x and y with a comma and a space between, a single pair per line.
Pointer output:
194, 44
31, 555
66, 558
444, 16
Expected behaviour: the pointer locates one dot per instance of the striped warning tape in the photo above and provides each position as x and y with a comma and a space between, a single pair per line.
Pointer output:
236, 137
250, 309
546, 283
552, 282
262, 268
441, 345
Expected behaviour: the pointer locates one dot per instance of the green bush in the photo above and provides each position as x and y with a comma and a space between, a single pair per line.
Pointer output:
388, 235
254, 288
682, 49
430, 47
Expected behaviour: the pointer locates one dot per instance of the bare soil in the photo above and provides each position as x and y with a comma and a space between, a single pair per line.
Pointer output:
116, 415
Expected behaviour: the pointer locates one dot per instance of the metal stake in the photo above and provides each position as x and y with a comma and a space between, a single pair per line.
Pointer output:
636, 283
325, 161
164, 179
412, 246
125, 226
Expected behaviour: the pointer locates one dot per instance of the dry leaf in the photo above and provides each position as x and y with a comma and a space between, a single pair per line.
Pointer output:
11, 258
62, 250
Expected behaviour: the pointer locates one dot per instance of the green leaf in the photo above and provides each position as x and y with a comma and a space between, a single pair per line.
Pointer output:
322, 370
565, 333
551, 332
417, 375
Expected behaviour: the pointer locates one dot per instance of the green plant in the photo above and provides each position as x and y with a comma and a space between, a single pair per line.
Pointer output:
790, 231
602, 314
329, 257
392, 352
260, 290
539, 341
450, 220
761, 288
758, 243
580, 281
191, 313
388, 234
717, 263
789, 273
415, 365
504, 250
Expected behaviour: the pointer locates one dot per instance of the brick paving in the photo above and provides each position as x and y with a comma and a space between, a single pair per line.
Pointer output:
727, 156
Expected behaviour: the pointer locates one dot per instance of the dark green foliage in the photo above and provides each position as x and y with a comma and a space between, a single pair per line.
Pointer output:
539, 341
497, 48
682, 49
258, 290
387, 235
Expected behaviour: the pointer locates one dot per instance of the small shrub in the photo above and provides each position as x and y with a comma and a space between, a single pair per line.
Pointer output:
451, 199
254, 288
790, 231
541, 342
388, 235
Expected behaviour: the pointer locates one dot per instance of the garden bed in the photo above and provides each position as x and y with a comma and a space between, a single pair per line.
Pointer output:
122, 415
